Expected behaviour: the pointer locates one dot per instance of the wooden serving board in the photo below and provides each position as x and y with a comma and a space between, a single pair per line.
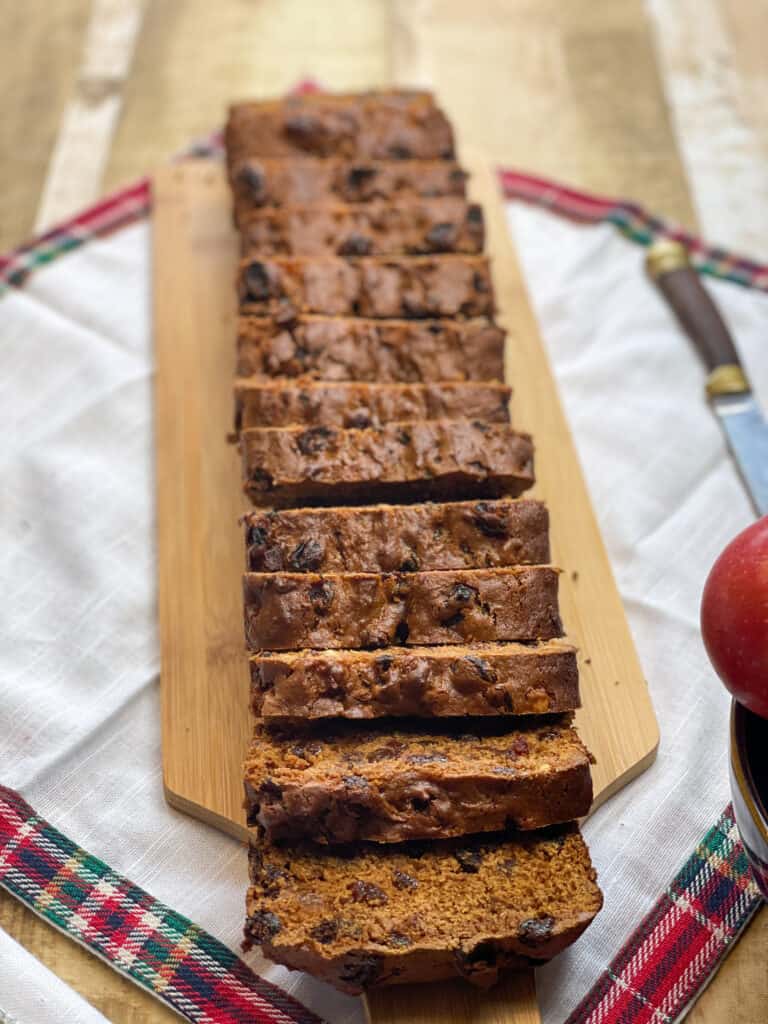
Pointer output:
204, 679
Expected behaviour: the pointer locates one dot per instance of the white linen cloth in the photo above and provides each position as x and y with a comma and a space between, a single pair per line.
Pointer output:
79, 720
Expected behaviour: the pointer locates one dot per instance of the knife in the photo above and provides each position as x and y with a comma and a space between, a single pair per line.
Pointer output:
728, 389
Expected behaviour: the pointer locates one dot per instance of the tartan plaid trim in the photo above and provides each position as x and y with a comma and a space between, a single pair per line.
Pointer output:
136, 934
656, 976
133, 203
668, 959
635, 223
113, 212
116, 211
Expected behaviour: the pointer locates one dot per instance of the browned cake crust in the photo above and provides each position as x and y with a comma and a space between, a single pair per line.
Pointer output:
351, 781
288, 611
399, 538
395, 125
383, 915
423, 460
263, 182
381, 351
277, 403
412, 287
375, 229
484, 679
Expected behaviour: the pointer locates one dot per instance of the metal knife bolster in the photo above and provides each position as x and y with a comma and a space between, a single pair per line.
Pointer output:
746, 432
727, 379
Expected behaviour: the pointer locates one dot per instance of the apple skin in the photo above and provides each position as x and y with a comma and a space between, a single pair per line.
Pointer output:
734, 617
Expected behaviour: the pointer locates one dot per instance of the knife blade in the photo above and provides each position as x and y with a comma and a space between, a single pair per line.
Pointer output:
728, 390
746, 432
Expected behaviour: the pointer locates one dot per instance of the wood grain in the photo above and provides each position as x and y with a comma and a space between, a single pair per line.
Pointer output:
203, 676
512, 1001
746, 24
717, 115
88, 122
738, 993
528, 104
260, 49
200, 559
559, 89
41, 45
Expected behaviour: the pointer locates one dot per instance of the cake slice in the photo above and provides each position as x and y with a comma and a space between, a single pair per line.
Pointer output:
351, 781
289, 611
416, 912
407, 461
411, 228
424, 682
278, 403
399, 538
388, 125
378, 351
265, 181
413, 287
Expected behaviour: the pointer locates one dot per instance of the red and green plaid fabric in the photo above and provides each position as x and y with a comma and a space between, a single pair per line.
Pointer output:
662, 967
139, 936
667, 961
634, 222
110, 214
134, 202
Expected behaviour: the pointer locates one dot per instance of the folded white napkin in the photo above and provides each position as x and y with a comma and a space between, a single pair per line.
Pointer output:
79, 723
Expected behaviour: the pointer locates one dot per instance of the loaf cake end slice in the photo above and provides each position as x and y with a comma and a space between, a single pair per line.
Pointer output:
398, 124
415, 912
364, 781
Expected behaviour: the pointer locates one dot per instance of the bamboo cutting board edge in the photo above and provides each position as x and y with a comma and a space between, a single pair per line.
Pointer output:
204, 684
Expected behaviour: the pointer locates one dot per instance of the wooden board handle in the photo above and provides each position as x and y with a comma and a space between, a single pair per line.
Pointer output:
512, 1001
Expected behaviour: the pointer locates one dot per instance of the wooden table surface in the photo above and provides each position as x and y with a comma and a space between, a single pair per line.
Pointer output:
660, 101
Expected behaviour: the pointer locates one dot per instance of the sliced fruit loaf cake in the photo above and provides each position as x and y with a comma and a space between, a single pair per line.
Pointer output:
374, 915
410, 287
410, 228
407, 461
277, 403
482, 679
350, 781
366, 337
398, 538
290, 611
377, 351
297, 181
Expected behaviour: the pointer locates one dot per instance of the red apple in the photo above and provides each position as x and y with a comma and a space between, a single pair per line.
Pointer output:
734, 617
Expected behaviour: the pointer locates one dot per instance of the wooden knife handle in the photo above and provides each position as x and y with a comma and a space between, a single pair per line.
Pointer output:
668, 264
